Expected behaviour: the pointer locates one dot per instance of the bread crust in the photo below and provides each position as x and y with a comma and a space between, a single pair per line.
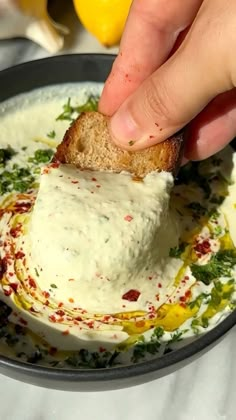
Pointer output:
87, 144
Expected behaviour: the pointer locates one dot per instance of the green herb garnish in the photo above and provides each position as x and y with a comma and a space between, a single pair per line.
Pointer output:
152, 346
6, 154
131, 142
71, 112
53, 285
41, 156
36, 272
51, 134
219, 265
17, 179
176, 252
94, 360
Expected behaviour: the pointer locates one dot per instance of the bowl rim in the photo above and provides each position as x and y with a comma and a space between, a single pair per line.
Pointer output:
204, 342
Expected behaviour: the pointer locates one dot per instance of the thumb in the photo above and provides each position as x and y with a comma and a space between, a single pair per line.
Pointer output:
174, 94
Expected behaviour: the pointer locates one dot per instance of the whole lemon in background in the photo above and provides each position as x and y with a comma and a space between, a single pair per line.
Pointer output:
105, 19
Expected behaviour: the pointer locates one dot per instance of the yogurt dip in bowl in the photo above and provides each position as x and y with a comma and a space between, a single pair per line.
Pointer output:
100, 270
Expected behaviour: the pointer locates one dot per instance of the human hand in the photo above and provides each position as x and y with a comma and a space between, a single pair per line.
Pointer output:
176, 66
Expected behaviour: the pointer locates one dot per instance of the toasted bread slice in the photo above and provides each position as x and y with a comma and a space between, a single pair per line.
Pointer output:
87, 144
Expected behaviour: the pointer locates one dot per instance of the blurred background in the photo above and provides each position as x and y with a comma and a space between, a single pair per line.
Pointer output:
32, 29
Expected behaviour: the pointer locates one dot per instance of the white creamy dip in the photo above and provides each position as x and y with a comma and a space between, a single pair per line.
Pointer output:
98, 235
93, 260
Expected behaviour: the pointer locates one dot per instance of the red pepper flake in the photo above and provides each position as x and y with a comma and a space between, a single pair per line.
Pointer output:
14, 286
33, 310
71, 279
102, 349
46, 303
11, 274
151, 137
23, 321
94, 179
203, 248
19, 255
15, 232
46, 294
71, 300
60, 312
66, 332
183, 305
98, 186
182, 299
157, 124
7, 290
159, 285
22, 207
52, 318
128, 218
60, 304
150, 277
74, 182
132, 295
32, 282
45, 171
186, 277
78, 318
90, 324
158, 297
3, 267
188, 293
54, 165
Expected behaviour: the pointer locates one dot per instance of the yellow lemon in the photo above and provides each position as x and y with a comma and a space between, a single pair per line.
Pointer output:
105, 19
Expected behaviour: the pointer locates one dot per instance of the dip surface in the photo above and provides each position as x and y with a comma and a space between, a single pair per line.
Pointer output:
171, 280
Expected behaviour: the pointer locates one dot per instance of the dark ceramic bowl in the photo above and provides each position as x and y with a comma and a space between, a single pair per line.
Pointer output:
77, 68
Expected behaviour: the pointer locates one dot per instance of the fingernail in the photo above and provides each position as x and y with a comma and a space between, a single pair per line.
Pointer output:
124, 129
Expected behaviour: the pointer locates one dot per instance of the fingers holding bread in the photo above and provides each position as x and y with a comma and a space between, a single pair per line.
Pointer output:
87, 144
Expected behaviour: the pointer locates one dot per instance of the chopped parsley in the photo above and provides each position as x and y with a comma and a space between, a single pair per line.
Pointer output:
16, 179
152, 346
131, 142
70, 112
51, 134
5, 155
219, 298
95, 360
41, 156
36, 271
176, 252
198, 301
219, 265
53, 285
177, 336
